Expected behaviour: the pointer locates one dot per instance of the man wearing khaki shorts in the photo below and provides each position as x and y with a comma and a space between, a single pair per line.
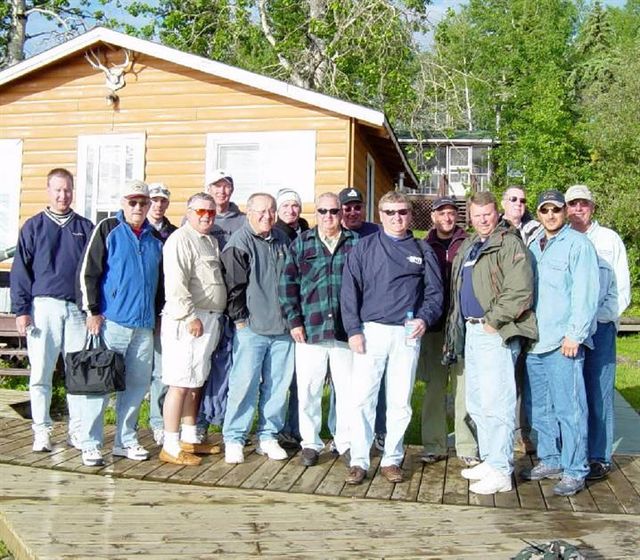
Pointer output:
191, 323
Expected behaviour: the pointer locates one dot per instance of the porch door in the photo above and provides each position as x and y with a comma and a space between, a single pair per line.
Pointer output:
459, 169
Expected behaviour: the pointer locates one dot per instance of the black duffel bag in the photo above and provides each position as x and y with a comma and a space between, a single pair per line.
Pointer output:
95, 370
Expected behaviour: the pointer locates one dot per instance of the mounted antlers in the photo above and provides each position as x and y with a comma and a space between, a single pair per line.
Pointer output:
114, 74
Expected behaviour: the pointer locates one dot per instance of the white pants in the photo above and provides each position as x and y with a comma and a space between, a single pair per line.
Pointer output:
384, 348
311, 369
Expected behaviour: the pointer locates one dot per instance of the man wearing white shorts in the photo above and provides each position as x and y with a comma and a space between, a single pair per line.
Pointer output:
196, 296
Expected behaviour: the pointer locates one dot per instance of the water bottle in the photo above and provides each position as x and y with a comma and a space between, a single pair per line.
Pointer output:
408, 330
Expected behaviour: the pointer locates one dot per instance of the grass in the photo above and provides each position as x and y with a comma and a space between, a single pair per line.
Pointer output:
628, 370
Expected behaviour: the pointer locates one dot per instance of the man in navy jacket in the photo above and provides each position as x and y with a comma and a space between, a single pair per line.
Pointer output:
43, 298
387, 276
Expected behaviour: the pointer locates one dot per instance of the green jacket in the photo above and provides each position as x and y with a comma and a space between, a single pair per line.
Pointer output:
503, 283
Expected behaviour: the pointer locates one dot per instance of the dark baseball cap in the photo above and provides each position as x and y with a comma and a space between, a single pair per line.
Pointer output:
552, 196
349, 195
442, 201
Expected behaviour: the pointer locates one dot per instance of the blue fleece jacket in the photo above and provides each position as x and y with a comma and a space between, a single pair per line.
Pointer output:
384, 277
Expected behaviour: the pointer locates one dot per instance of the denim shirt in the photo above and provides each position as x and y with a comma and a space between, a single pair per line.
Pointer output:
567, 289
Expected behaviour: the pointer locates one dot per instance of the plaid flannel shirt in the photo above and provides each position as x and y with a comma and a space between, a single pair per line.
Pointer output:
310, 285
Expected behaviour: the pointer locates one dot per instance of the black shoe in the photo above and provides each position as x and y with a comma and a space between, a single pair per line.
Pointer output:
598, 471
288, 441
309, 457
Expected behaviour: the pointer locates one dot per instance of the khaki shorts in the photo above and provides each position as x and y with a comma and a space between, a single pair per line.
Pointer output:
186, 360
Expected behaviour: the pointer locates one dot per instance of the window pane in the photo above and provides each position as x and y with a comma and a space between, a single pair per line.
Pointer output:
459, 157
480, 160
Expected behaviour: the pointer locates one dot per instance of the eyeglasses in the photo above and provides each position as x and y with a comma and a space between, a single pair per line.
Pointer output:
201, 212
332, 211
516, 199
353, 208
579, 202
134, 203
401, 212
553, 209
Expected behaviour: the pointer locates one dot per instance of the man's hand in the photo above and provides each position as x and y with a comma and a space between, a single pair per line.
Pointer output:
356, 343
94, 324
419, 328
569, 348
22, 322
240, 325
298, 334
488, 328
195, 328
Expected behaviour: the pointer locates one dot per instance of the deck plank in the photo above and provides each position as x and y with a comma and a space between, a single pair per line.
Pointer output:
412, 470
604, 497
432, 483
456, 488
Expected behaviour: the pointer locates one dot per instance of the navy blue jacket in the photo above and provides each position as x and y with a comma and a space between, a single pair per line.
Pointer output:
384, 278
46, 260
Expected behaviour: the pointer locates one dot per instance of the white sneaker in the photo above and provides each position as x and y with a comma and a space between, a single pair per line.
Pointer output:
73, 440
158, 436
134, 452
92, 458
41, 439
271, 448
476, 473
495, 481
233, 453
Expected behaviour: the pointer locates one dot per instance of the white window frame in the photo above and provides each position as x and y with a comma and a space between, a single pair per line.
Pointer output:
134, 140
11, 165
283, 158
371, 186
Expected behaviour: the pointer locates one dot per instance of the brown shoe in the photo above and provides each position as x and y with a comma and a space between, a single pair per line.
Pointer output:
356, 475
200, 448
393, 473
182, 458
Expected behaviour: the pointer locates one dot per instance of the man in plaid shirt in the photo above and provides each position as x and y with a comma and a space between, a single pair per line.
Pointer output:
310, 299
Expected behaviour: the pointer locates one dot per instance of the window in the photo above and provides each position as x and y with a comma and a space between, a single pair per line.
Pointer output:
371, 187
265, 161
105, 163
11, 165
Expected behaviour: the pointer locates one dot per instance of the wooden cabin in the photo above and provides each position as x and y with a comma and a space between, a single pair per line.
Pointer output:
110, 107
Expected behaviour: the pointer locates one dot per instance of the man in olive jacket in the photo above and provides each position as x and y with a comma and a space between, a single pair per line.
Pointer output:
490, 312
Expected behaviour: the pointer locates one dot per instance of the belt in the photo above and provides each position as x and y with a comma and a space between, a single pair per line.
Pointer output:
475, 320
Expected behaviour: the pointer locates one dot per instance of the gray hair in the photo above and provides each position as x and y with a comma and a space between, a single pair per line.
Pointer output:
332, 195
252, 198
200, 196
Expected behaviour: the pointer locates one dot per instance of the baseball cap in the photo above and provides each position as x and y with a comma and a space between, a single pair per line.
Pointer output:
159, 190
443, 201
551, 196
578, 192
349, 195
135, 188
218, 175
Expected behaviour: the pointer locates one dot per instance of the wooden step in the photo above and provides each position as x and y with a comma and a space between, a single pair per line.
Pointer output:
15, 372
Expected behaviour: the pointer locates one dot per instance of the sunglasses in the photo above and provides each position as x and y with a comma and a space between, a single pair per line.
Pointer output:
553, 209
354, 208
201, 212
134, 203
516, 199
401, 212
579, 202
332, 211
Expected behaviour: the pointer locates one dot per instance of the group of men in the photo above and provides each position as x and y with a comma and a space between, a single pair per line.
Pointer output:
232, 317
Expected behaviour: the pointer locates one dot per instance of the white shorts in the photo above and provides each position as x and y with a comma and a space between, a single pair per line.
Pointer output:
186, 360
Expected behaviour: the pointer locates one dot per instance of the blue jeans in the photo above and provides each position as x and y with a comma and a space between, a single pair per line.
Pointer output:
59, 326
261, 374
599, 379
292, 422
491, 393
136, 345
158, 389
559, 410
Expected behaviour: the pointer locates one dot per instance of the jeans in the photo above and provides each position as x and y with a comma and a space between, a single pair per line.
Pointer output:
385, 348
261, 373
599, 379
311, 360
559, 410
158, 389
434, 413
291, 422
58, 326
491, 393
136, 345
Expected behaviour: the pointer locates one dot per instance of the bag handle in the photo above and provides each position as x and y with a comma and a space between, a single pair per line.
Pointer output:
94, 341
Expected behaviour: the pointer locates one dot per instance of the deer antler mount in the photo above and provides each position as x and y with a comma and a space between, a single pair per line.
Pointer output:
114, 73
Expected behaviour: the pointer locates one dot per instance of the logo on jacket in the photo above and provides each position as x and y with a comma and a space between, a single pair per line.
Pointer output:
414, 260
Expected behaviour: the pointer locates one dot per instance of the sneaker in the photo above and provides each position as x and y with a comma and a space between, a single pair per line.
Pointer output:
271, 448
540, 472
134, 452
378, 441
233, 453
430, 458
598, 470
73, 440
92, 457
568, 486
494, 482
309, 457
288, 441
158, 436
478, 472
468, 461
42, 439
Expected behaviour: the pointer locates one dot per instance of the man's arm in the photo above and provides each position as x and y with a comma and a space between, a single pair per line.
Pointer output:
21, 279
351, 300
583, 268
289, 290
430, 310
92, 267
236, 277
621, 271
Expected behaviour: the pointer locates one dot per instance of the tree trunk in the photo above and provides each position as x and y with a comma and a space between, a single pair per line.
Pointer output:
18, 32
